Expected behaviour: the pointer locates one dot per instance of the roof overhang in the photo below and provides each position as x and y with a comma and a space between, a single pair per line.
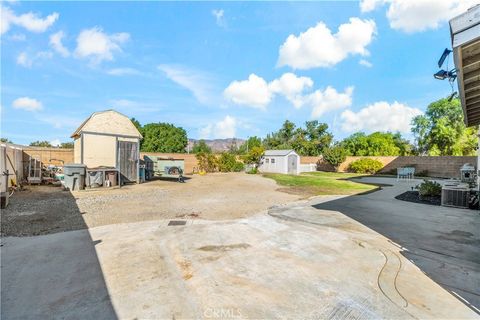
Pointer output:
465, 33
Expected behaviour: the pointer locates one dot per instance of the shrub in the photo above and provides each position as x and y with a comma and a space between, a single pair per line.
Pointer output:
207, 162
253, 170
335, 156
366, 165
254, 156
227, 162
429, 189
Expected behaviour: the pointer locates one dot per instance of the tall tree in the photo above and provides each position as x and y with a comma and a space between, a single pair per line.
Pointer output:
308, 141
201, 146
376, 144
251, 143
441, 130
163, 137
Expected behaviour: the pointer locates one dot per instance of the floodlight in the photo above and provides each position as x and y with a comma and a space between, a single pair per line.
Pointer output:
441, 75
444, 56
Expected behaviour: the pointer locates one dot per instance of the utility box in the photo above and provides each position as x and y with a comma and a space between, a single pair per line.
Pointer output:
74, 178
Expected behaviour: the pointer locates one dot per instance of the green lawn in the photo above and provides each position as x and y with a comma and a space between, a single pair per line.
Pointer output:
320, 183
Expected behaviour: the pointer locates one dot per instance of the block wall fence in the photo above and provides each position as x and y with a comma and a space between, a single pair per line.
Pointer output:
440, 166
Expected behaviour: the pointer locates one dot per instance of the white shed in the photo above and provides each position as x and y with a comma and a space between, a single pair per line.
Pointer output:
280, 161
109, 139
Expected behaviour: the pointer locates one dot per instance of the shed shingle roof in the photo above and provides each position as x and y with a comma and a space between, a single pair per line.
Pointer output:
278, 152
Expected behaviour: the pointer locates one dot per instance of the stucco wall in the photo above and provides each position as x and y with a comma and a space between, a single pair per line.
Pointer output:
99, 150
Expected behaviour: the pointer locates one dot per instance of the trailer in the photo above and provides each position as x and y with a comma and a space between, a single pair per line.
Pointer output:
164, 167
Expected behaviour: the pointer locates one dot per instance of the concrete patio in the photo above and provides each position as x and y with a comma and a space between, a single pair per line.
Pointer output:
293, 261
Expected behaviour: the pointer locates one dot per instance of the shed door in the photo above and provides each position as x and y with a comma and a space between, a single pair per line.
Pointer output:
292, 164
127, 160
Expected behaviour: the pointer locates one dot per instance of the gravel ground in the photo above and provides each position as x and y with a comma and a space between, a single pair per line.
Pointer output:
48, 209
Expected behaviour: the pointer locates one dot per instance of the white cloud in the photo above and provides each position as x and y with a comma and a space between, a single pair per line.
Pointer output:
253, 92
291, 87
414, 16
318, 47
219, 17
128, 106
365, 63
98, 46
55, 142
328, 100
256, 92
57, 45
380, 116
223, 129
370, 5
197, 82
30, 21
123, 72
26, 60
18, 37
28, 104
59, 121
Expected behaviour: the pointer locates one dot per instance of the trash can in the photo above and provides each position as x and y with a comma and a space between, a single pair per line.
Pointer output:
95, 179
112, 177
74, 176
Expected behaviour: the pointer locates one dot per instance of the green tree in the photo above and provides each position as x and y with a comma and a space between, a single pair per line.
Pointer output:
201, 146
251, 143
163, 137
41, 144
5, 140
312, 140
66, 145
254, 155
376, 144
441, 130
308, 141
335, 155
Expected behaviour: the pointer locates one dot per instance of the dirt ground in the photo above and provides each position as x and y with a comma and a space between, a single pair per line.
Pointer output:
48, 209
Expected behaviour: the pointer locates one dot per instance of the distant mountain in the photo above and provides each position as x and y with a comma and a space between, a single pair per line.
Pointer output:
218, 145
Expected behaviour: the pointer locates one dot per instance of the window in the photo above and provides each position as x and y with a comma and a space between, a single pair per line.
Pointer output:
273, 160
266, 160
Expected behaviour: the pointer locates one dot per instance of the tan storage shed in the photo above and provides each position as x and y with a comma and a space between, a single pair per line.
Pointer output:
108, 138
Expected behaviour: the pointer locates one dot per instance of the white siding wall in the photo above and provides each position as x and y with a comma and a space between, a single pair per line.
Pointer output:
280, 165
99, 150
77, 150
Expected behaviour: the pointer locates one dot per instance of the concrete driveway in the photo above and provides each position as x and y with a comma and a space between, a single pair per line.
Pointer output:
292, 262
443, 242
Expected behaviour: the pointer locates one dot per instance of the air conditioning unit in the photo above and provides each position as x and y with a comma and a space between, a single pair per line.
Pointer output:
455, 196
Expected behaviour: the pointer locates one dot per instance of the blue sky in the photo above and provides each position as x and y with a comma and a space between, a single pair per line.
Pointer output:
220, 69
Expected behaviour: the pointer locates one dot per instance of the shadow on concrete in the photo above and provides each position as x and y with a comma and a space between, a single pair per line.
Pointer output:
48, 273
443, 242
